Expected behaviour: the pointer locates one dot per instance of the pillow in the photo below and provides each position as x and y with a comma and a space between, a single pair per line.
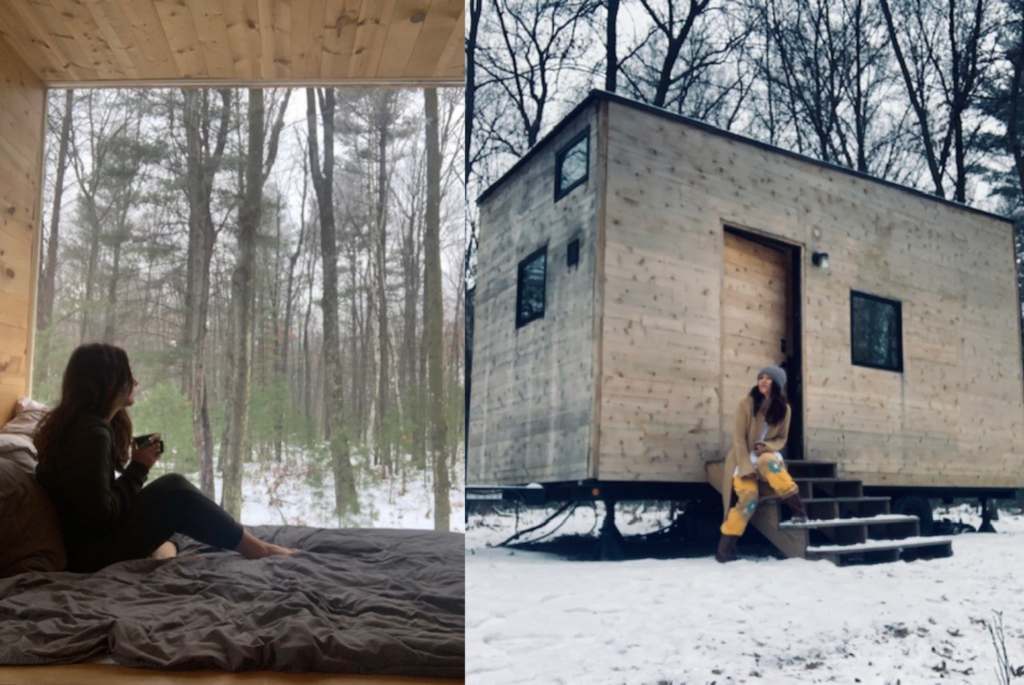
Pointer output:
27, 415
18, 449
30, 537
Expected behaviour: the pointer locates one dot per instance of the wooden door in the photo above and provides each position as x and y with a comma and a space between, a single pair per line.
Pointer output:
755, 319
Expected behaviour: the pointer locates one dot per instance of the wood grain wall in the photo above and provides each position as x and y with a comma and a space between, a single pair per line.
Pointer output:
954, 417
22, 116
533, 388
195, 42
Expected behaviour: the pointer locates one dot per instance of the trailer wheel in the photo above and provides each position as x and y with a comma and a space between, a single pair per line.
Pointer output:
915, 505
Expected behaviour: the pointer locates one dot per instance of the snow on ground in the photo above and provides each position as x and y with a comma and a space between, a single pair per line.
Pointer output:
533, 617
290, 493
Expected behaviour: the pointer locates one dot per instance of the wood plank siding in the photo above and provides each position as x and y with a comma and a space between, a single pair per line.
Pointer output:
22, 116
953, 417
531, 407
685, 314
238, 42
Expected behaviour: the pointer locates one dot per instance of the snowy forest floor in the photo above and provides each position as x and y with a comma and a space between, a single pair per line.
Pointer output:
536, 616
297, 491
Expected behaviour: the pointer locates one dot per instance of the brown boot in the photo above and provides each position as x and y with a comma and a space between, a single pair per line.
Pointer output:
727, 548
797, 507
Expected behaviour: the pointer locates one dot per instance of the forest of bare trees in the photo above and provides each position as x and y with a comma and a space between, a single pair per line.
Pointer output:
926, 93
284, 268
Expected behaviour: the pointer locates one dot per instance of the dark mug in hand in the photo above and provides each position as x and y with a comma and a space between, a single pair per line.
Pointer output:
146, 440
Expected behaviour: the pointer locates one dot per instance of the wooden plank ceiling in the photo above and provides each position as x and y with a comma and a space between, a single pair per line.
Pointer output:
237, 42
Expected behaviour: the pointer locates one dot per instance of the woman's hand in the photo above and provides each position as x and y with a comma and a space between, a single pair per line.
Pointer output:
760, 447
149, 454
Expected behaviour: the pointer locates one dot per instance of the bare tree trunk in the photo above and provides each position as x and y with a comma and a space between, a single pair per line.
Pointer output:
243, 294
345, 496
434, 319
475, 9
49, 275
611, 69
201, 169
382, 441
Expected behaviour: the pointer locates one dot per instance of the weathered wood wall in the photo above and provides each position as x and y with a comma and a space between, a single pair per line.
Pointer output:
954, 417
22, 116
533, 388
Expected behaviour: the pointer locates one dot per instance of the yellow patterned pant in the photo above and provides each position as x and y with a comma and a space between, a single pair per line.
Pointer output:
769, 468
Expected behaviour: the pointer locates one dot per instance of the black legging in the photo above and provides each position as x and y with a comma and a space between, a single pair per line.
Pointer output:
168, 505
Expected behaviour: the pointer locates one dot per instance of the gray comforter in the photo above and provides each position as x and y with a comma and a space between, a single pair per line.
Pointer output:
389, 602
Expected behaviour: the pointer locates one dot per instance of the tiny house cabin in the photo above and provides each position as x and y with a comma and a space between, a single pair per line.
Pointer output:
637, 268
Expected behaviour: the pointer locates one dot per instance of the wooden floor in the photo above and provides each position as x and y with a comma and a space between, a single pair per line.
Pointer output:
109, 674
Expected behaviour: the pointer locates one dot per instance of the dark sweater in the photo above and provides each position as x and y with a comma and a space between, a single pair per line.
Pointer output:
79, 477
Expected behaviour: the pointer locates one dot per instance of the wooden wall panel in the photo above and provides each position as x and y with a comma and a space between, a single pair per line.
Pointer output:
533, 387
955, 416
22, 115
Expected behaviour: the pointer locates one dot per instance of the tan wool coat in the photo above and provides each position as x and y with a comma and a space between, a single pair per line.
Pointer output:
746, 434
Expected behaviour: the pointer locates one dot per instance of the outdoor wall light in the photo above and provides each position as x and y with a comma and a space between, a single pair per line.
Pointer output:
820, 259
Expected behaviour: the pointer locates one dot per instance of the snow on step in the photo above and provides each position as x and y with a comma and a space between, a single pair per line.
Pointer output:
881, 544
864, 520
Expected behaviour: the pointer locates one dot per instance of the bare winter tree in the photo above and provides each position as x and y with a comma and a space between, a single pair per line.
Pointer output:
943, 50
434, 318
204, 153
526, 57
323, 185
258, 162
683, 63
48, 273
826, 82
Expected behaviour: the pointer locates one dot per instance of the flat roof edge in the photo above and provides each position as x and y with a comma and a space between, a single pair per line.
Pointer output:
597, 95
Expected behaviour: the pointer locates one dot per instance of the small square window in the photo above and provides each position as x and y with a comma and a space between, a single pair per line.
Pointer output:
530, 289
572, 255
572, 164
876, 331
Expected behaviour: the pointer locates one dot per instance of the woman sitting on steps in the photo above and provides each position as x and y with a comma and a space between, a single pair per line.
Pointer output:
762, 425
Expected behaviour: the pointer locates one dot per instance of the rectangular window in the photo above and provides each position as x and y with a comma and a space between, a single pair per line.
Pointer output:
876, 330
572, 255
530, 287
572, 164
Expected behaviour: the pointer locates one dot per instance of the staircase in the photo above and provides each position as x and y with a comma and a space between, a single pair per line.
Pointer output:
843, 525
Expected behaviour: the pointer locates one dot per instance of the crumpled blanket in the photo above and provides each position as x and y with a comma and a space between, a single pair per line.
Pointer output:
366, 601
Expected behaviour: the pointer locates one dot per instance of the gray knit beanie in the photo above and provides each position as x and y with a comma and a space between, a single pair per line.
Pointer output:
777, 375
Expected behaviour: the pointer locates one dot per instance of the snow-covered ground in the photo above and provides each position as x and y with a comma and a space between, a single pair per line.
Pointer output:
292, 493
533, 617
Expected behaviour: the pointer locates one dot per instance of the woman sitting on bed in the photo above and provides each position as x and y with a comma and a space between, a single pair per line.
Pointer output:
105, 519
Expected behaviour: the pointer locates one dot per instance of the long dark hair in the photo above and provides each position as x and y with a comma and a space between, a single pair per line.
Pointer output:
95, 377
776, 404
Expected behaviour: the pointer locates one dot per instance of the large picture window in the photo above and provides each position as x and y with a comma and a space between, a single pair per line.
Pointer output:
572, 164
531, 286
876, 329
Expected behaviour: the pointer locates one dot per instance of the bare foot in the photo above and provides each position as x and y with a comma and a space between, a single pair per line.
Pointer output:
165, 551
253, 548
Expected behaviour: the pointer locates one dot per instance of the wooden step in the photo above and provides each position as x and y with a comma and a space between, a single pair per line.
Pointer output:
882, 551
845, 526
812, 488
846, 507
810, 469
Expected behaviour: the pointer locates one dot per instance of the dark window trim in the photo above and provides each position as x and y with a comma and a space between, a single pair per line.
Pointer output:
521, 321
560, 157
899, 331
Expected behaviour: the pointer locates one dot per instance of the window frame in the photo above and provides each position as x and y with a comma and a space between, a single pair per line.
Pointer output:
898, 335
560, 159
521, 321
